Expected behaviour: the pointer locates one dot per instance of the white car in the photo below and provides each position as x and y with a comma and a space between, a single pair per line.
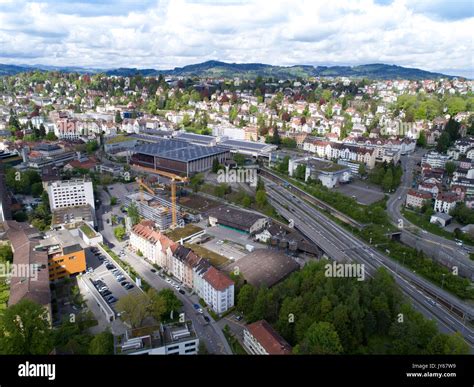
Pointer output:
200, 311
168, 280
90, 269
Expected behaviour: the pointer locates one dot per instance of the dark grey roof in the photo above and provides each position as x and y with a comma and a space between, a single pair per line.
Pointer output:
195, 137
72, 249
257, 146
235, 218
47, 147
178, 150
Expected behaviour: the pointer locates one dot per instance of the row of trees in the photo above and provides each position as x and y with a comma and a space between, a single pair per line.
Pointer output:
387, 175
318, 314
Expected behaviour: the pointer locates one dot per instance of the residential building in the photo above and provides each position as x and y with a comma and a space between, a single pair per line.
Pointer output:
217, 290
435, 159
66, 257
70, 193
261, 339
416, 198
445, 202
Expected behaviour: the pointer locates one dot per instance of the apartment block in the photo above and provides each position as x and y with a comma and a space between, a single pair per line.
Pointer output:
70, 193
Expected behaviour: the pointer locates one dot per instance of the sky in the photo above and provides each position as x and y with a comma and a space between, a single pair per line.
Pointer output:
434, 35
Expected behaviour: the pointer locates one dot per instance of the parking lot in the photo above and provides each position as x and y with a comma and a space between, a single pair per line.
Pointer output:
110, 281
362, 191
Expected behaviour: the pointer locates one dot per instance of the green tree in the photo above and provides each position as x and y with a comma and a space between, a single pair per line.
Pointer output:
453, 344
25, 330
246, 299
387, 181
118, 117
51, 136
300, 172
450, 168
320, 339
102, 344
158, 305
133, 213
37, 189
362, 169
6, 254
134, 308
239, 159
215, 165
196, 181
120, 232
92, 146
261, 198
172, 303
221, 190
421, 141
247, 201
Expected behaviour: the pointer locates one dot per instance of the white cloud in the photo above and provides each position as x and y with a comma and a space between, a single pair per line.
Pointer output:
165, 34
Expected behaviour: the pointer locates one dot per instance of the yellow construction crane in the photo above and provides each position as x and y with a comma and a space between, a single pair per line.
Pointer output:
142, 185
174, 178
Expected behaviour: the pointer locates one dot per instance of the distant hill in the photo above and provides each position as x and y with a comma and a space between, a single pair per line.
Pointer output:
215, 68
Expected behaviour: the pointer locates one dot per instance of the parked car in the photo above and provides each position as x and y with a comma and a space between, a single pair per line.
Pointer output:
124, 283
207, 319
238, 317
182, 291
90, 269
111, 299
120, 278
106, 293
168, 280
196, 306
129, 286
200, 311
101, 258
110, 266
153, 270
103, 288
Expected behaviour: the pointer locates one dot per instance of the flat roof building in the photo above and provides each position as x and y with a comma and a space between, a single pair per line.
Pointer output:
264, 267
179, 157
246, 221
168, 339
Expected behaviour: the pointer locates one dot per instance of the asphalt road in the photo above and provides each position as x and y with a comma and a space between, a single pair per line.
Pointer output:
342, 246
209, 333
445, 251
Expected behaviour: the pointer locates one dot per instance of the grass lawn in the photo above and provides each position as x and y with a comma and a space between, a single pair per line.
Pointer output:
178, 233
216, 260
88, 231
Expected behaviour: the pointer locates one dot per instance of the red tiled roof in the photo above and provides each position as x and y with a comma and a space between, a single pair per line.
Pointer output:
419, 194
268, 338
217, 279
